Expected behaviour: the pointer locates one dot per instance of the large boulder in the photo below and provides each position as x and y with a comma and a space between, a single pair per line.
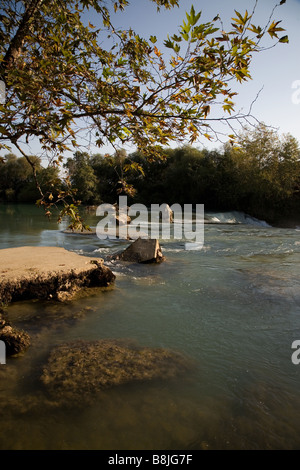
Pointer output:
78, 371
142, 251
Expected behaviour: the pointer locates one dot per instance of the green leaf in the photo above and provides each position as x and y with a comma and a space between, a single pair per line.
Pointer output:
240, 19
176, 38
186, 27
192, 17
273, 29
228, 108
168, 43
153, 39
255, 29
284, 39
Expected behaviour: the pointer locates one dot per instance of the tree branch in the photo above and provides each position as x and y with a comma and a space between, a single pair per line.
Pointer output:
18, 39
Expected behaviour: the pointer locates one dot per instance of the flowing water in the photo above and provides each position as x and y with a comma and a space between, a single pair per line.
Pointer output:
233, 308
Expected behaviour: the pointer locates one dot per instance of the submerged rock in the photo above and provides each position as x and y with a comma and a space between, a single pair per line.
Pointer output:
16, 341
142, 251
78, 371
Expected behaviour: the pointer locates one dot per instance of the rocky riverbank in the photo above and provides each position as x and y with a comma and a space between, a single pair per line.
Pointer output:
48, 273
43, 273
75, 374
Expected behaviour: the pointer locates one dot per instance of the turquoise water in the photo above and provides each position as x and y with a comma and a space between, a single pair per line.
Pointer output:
233, 308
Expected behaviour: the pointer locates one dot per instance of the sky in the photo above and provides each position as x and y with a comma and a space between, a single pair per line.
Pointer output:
275, 72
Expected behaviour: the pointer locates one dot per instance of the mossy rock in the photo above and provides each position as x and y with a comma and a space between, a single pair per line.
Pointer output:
78, 371
16, 341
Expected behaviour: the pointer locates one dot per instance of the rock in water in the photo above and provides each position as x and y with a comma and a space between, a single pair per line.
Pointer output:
142, 251
120, 219
16, 341
167, 213
76, 372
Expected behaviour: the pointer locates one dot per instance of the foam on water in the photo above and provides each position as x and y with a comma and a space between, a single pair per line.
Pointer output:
234, 217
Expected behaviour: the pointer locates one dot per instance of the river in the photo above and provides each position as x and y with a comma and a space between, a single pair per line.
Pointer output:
233, 307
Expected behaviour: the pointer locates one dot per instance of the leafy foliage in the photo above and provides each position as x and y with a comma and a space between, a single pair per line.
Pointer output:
82, 177
17, 182
67, 79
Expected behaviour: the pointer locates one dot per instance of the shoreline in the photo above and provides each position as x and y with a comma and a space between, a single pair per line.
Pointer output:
31, 272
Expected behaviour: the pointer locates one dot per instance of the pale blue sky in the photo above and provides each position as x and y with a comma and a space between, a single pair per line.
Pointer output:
274, 70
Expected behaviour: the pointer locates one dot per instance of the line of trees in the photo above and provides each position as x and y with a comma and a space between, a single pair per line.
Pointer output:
260, 175
17, 182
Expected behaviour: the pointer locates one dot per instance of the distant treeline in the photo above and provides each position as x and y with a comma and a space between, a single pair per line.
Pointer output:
259, 174
17, 183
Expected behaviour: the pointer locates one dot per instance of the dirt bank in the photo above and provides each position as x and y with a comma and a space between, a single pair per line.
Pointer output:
48, 273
